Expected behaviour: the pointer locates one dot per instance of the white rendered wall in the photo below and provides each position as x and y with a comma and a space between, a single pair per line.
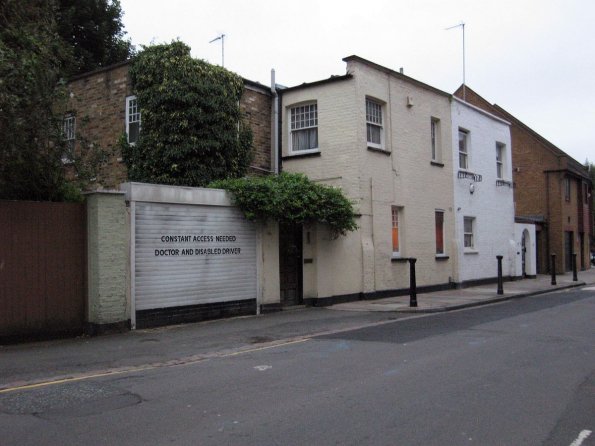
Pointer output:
491, 205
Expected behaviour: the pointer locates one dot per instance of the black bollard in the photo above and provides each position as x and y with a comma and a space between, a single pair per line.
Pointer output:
553, 269
412, 284
500, 286
574, 276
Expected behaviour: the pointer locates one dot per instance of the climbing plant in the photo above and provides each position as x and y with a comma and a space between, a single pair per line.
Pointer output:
291, 198
192, 131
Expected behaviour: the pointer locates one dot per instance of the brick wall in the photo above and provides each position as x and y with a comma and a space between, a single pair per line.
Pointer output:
98, 99
256, 107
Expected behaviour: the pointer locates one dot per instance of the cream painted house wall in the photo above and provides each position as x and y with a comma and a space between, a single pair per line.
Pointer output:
401, 174
489, 202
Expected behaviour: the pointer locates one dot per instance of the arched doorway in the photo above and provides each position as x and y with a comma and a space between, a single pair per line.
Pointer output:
525, 259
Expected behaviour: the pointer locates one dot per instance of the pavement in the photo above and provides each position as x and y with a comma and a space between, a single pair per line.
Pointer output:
34, 364
454, 299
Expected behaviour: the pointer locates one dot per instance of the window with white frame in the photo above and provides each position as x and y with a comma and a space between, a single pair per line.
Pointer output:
69, 128
435, 135
463, 149
500, 156
69, 136
374, 129
469, 232
439, 218
304, 128
396, 235
132, 119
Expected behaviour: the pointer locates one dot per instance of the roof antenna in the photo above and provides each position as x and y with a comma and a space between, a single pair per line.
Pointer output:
222, 38
462, 25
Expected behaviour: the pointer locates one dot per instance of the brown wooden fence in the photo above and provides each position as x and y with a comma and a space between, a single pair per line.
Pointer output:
42, 268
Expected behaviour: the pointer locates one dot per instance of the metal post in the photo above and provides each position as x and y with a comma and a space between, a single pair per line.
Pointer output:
500, 286
412, 284
553, 269
574, 276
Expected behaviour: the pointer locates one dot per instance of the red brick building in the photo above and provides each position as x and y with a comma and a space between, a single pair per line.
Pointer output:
100, 104
551, 189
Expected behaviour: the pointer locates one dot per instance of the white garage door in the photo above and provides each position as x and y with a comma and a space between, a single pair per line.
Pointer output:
192, 254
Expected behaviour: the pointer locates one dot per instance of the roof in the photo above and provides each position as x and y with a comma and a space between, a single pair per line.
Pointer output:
247, 82
333, 78
396, 74
573, 165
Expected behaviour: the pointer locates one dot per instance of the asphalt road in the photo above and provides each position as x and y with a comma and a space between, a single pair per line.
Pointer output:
516, 373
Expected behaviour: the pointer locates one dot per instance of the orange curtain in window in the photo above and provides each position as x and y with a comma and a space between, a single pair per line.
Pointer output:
395, 239
439, 233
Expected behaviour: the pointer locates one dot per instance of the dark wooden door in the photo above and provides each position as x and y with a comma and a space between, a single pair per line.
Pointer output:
524, 254
290, 264
568, 248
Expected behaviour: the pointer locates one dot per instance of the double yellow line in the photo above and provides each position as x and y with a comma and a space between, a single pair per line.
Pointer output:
134, 369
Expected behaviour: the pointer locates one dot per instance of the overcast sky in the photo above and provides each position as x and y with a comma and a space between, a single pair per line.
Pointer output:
534, 58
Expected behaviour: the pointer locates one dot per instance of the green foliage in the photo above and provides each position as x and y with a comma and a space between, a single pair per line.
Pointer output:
94, 31
33, 60
291, 198
192, 128
32, 57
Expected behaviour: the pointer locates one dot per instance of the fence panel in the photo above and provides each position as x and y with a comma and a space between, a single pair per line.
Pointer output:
42, 268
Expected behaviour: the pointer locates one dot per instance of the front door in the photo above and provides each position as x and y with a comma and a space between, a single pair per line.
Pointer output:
524, 253
290, 264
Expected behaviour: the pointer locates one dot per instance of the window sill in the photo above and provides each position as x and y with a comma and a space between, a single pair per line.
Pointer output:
436, 163
470, 251
307, 154
442, 257
379, 150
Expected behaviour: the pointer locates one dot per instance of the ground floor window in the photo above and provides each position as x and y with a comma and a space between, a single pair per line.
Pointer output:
396, 237
469, 232
439, 217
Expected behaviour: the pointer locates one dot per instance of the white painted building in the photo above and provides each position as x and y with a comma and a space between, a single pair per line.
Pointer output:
385, 140
483, 194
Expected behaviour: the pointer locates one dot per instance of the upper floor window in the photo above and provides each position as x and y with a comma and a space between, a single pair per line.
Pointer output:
434, 138
500, 154
132, 119
69, 128
304, 128
69, 136
586, 193
567, 189
374, 124
463, 149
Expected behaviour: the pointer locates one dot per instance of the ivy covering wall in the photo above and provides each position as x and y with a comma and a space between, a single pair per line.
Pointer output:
192, 131
292, 198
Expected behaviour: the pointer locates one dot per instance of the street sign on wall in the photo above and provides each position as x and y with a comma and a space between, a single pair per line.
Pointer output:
192, 254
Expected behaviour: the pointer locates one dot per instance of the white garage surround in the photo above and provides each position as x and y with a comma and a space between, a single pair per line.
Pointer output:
190, 247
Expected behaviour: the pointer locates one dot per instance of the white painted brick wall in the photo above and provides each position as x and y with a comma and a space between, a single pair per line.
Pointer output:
492, 206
